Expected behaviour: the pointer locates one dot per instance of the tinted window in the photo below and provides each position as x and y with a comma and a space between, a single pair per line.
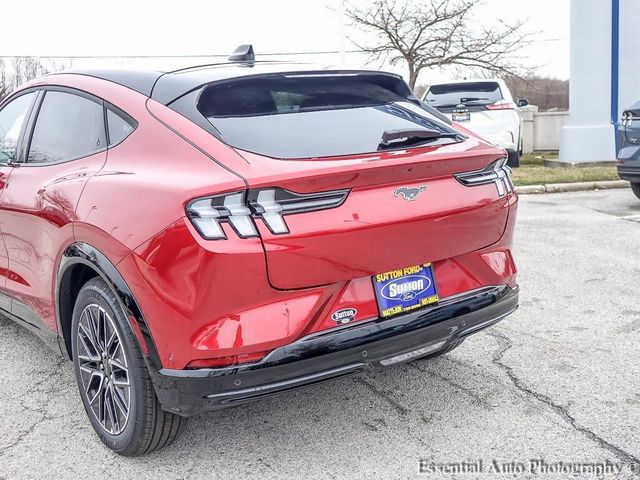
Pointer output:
306, 116
12, 118
273, 94
119, 128
452, 94
68, 126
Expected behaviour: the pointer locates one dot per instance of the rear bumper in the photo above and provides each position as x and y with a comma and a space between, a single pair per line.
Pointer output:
366, 346
506, 139
630, 174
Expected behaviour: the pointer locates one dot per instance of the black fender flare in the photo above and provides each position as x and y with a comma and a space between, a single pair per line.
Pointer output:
81, 253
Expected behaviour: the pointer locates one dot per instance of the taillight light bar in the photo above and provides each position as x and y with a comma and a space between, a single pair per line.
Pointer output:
630, 116
497, 172
242, 209
207, 215
273, 204
501, 106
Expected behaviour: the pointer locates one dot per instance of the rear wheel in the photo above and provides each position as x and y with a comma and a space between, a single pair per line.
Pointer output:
635, 187
112, 377
513, 159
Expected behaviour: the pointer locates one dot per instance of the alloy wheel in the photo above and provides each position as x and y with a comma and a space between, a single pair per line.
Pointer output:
103, 369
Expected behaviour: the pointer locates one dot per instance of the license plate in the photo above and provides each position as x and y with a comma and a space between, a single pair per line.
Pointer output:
461, 117
405, 289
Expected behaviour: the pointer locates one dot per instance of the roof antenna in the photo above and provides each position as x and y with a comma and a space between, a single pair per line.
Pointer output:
244, 54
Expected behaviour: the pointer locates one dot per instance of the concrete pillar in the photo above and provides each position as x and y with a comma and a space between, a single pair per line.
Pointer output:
527, 113
590, 135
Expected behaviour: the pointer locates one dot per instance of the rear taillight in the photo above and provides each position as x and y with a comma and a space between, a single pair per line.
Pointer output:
497, 172
242, 209
630, 116
274, 203
502, 105
207, 215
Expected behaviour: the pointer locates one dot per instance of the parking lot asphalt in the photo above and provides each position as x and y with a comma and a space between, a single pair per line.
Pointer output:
557, 381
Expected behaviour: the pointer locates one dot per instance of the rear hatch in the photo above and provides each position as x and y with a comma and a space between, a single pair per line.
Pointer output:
351, 175
631, 124
480, 106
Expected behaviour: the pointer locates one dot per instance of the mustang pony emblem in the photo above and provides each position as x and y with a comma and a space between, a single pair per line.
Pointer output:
409, 193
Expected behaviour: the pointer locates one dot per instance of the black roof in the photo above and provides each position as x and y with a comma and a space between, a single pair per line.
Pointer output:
166, 86
140, 81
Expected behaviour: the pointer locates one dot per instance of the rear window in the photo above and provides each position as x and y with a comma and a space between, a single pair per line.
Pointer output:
313, 115
452, 94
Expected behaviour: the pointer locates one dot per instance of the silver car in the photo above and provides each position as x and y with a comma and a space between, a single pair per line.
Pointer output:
485, 107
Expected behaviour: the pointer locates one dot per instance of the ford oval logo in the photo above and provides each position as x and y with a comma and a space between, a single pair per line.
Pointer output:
406, 288
344, 315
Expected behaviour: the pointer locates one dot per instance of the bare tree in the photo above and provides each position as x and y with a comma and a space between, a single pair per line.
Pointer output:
544, 92
436, 33
19, 70
4, 87
27, 68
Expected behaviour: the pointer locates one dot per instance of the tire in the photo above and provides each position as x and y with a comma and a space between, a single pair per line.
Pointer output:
447, 349
113, 380
635, 188
513, 160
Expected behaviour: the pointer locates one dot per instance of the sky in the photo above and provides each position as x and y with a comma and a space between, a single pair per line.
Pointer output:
191, 27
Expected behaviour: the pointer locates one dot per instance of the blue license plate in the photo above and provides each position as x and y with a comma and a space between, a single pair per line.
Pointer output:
405, 289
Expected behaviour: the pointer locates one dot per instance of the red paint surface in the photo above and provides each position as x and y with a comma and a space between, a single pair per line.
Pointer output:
235, 300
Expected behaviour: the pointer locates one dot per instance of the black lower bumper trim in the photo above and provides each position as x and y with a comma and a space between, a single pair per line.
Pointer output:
353, 348
629, 174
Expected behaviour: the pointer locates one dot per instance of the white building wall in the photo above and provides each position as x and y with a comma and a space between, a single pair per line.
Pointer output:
547, 129
541, 130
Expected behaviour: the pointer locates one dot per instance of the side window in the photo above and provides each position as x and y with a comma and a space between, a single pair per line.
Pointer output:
12, 118
68, 126
119, 128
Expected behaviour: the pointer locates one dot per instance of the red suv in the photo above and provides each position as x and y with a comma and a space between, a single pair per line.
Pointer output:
204, 237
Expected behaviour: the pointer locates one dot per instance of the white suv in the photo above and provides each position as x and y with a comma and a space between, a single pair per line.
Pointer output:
484, 106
